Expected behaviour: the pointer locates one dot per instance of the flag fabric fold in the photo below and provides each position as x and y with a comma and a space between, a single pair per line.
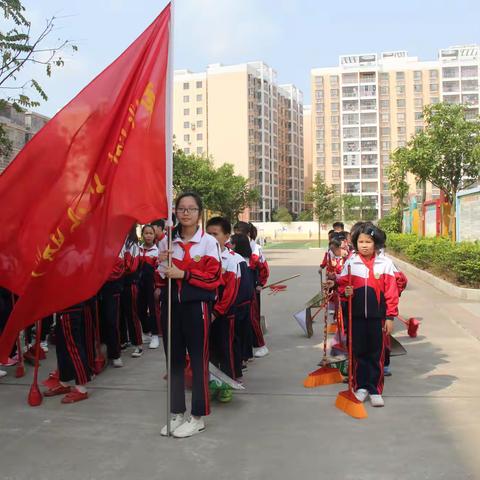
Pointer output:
72, 194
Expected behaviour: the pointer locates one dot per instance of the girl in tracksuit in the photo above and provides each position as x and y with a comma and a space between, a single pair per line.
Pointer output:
147, 310
195, 277
374, 306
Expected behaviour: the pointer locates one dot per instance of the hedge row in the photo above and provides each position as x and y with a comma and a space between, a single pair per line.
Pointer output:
457, 262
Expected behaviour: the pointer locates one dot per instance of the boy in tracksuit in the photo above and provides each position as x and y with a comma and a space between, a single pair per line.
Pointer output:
224, 344
374, 306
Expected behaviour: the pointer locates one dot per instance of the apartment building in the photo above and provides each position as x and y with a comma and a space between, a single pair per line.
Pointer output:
363, 110
20, 128
307, 148
246, 119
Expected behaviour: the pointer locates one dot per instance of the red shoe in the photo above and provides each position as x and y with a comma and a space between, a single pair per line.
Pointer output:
74, 396
52, 380
58, 389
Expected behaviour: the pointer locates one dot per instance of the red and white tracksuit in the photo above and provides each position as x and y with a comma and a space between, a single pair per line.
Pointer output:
192, 301
147, 311
224, 344
375, 298
259, 265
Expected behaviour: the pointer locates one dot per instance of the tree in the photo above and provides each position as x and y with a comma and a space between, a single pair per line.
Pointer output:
357, 207
446, 153
18, 48
282, 215
221, 190
305, 216
325, 205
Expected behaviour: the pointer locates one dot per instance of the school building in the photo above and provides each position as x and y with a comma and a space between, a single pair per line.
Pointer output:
370, 104
239, 114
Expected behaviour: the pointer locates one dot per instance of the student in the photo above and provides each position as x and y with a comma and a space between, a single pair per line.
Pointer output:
71, 355
109, 296
196, 275
159, 226
338, 227
129, 293
334, 257
147, 310
259, 264
224, 344
241, 245
374, 307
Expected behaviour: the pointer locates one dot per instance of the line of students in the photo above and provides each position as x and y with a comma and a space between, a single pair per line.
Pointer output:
215, 311
375, 287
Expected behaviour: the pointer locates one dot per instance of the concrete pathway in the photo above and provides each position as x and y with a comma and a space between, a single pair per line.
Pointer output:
276, 429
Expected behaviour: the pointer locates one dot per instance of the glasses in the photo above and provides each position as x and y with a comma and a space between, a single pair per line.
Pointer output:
187, 210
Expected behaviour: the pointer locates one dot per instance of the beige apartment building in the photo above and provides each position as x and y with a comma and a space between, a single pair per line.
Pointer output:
372, 104
307, 147
239, 114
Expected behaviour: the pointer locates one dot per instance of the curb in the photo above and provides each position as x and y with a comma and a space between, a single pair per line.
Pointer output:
440, 284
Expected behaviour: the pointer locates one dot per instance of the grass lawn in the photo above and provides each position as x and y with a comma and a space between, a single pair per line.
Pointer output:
300, 244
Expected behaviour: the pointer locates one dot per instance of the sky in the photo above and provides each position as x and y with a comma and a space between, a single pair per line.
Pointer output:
291, 36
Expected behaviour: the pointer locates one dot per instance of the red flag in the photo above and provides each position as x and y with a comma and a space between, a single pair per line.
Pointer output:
72, 194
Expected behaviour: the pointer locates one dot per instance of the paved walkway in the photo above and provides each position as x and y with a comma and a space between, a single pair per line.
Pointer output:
276, 429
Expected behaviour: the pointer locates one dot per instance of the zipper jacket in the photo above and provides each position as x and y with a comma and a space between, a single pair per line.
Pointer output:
374, 286
259, 263
247, 282
199, 258
231, 276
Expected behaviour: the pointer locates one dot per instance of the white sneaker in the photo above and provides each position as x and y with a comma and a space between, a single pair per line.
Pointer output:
44, 346
2, 373
138, 352
146, 338
361, 394
155, 342
377, 401
261, 352
189, 428
117, 362
176, 420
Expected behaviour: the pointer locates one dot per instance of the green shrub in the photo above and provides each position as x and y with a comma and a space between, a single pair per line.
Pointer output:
392, 222
459, 262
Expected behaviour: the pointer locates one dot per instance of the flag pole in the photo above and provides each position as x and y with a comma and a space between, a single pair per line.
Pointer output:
169, 183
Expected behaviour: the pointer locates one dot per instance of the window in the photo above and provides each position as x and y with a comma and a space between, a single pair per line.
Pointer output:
433, 74
350, 78
336, 161
199, 97
186, 138
199, 123
186, 124
400, 117
199, 84
384, 90
417, 75
400, 76
334, 80
335, 132
199, 136
186, 98
186, 151
199, 150
318, 94
469, 85
401, 103
401, 130
450, 72
368, 132
418, 129
334, 107
384, 104
401, 143
417, 88
384, 77
186, 111
470, 71
400, 89
385, 145
434, 100
434, 87
319, 81
350, 119
199, 110
336, 174
351, 132
385, 118
418, 116
451, 86
335, 120
385, 131
334, 92
335, 147
419, 103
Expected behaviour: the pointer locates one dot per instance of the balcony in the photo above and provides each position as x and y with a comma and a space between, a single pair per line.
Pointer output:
351, 187
368, 90
351, 174
369, 187
369, 159
350, 119
451, 86
350, 78
369, 132
469, 71
351, 147
351, 160
349, 92
469, 85
369, 146
454, 99
471, 99
450, 72
368, 77
351, 132
350, 105
368, 104
368, 119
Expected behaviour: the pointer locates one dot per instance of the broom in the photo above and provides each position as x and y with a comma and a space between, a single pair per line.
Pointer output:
35, 396
346, 400
324, 375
